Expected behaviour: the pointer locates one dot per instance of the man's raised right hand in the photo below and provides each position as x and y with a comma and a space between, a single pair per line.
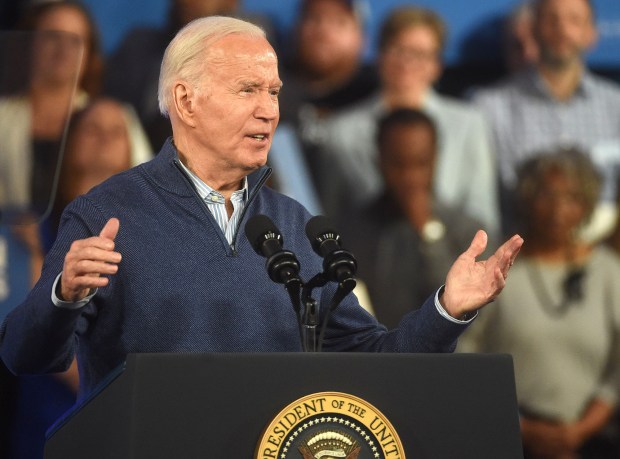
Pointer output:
86, 262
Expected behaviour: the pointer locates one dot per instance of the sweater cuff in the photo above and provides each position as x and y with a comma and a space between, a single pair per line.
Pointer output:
445, 314
69, 304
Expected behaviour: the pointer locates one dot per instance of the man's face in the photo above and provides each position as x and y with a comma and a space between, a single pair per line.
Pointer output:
564, 29
411, 60
236, 104
329, 36
407, 160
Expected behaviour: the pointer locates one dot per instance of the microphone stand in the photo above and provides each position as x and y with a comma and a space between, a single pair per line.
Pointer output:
344, 288
282, 266
293, 288
308, 321
283, 269
310, 318
346, 284
309, 324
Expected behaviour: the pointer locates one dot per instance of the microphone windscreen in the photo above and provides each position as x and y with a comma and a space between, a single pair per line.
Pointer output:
258, 229
316, 228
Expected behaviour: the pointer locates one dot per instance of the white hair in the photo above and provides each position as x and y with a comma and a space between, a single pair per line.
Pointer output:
183, 59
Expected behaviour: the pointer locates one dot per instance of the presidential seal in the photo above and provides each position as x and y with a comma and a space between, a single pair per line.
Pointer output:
330, 425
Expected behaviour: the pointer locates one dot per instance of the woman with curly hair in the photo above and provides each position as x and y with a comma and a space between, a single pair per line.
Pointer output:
559, 316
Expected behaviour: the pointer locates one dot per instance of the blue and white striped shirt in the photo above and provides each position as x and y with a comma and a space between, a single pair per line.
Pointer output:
217, 204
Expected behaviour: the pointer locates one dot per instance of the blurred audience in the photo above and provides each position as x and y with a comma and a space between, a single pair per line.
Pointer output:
15, 272
104, 138
290, 172
132, 72
348, 176
63, 69
557, 103
566, 352
58, 48
613, 240
32, 404
406, 239
325, 71
65, 53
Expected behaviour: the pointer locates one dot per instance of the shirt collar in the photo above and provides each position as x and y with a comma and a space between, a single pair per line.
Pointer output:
431, 100
536, 82
204, 190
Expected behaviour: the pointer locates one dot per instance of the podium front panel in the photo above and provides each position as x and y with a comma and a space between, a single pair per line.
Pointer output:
443, 406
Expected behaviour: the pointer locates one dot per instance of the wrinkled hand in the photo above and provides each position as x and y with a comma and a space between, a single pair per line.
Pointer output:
471, 284
87, 260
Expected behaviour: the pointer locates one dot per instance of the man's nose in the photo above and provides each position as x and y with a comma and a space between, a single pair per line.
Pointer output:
267, 107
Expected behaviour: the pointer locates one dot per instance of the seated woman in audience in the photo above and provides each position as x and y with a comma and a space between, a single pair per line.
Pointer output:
559, 316
411, 42
104, 138
64, 53
56, 49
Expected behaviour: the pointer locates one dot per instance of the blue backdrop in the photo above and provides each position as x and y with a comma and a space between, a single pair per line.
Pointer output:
473, 24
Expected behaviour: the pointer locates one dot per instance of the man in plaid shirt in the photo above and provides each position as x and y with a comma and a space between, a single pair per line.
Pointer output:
557, 103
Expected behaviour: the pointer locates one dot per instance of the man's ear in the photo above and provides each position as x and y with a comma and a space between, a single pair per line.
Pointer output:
183, 96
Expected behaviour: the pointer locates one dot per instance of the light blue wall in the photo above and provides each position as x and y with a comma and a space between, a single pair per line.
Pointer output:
472, 23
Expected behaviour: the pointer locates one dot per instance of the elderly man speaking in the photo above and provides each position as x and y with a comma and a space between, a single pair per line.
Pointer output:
152, 259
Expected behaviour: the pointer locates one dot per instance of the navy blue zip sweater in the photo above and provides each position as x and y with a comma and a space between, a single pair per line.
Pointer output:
182, 288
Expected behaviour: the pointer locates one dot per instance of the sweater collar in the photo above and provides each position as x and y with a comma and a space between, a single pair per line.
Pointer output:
165, 171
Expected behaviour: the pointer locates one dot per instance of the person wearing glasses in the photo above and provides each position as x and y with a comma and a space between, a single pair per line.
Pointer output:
560, 315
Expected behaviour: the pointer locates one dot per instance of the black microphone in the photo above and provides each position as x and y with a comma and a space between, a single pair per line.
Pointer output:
266, 240
339, 265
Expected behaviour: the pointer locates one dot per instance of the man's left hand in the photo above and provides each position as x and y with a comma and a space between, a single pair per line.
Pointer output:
471, 284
